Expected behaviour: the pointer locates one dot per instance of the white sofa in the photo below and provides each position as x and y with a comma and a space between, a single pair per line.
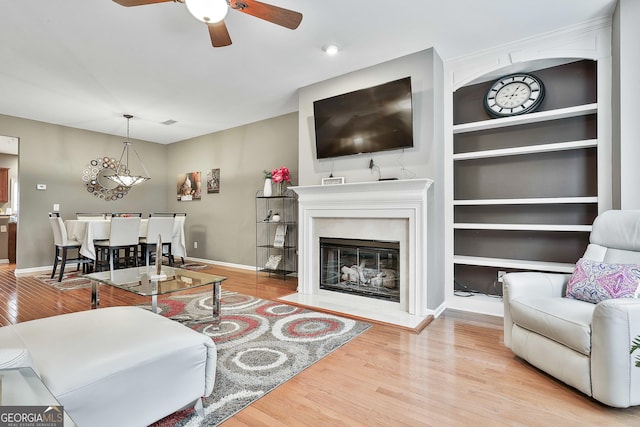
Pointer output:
117, 366
583, 344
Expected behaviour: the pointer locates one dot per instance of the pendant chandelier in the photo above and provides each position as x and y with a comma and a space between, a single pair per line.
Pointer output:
123, 173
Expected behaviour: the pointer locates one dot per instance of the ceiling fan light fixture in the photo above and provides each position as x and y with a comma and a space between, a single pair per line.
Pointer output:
209, 11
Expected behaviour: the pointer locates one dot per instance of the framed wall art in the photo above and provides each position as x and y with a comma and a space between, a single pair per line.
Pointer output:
213, 180
189, 186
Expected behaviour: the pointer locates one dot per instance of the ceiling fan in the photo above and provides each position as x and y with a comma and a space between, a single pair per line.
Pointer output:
213, 12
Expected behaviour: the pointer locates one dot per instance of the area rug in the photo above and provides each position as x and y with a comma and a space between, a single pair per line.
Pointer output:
73, 279
194, 266
261, 344
70, 280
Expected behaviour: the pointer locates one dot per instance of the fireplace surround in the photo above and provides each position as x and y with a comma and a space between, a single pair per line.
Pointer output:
383, 211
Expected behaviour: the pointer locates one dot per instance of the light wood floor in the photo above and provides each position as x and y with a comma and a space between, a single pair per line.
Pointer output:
456, 372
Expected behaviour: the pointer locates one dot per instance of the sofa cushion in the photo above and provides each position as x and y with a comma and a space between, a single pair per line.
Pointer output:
564, 320
597, 281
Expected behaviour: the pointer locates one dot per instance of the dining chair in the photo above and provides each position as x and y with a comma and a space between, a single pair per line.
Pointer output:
62, 245
123, 235
127, 214
159, 225
90, 215
180, 217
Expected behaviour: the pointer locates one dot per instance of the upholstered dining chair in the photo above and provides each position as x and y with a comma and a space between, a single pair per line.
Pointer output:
180, 217
62, 245
90, 215
160, 225
123, 235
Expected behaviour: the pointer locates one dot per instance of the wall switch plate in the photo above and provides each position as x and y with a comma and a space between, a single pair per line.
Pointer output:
41, 186
56, 207
195, 245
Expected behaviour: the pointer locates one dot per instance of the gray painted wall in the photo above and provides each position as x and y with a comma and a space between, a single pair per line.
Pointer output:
223, 224
56, 156
424, 160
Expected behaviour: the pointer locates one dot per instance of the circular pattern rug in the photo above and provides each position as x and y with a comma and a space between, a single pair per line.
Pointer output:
261, 344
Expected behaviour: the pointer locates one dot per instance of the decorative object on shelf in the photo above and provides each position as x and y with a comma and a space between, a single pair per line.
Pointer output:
333, 180
267, 190
94, 176
514, 94
276, 217
281, 233
122, 175
273, 262
189, 186
268, 217
280, 176
213, 180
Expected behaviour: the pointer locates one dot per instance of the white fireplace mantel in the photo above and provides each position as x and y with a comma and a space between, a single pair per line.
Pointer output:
392, 200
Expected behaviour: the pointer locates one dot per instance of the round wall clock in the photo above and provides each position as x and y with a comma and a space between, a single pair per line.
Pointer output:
514, 94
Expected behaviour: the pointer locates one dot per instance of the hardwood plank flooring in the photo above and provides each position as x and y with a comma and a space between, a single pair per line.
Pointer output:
456, 372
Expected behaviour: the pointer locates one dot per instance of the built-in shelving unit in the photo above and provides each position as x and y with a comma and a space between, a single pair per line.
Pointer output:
525, 187
542, 116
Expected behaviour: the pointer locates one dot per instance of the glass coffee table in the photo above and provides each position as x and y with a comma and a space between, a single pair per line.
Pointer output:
144, 281
22, 387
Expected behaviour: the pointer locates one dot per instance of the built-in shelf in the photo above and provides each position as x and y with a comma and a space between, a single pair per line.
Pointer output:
526, 201
522, 227
531, 149
561, 113
518, 264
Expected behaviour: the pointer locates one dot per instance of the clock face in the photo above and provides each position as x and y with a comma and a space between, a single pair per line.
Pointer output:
514, 94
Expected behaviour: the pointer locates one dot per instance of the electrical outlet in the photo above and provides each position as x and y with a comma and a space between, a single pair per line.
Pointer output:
500, 274
195, 245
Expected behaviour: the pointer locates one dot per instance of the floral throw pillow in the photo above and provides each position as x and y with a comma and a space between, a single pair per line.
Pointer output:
596, 281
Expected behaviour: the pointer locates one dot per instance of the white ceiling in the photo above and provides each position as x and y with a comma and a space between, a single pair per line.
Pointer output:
84, 63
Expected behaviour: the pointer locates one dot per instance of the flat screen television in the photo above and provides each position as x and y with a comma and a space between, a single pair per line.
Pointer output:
377, 118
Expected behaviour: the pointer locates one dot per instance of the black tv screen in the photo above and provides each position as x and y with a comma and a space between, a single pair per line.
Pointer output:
368, 120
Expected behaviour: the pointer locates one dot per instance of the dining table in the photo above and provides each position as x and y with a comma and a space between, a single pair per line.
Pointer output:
86, 231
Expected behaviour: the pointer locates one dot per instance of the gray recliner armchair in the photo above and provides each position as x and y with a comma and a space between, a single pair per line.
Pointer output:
583, 344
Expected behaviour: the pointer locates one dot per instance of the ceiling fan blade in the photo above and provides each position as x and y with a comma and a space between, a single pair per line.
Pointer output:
219, 34
274, 14
128, 3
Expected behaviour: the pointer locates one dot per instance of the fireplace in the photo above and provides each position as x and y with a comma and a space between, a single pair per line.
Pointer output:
368, 268
373, 214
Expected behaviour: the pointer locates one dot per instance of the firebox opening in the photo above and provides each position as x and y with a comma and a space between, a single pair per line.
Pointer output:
368, 268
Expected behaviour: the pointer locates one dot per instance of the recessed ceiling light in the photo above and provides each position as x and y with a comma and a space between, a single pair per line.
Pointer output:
331, 49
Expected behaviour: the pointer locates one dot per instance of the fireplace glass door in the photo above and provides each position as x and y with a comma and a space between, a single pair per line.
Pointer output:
368, 268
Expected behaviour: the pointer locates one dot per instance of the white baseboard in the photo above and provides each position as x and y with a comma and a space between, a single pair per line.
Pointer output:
221, 263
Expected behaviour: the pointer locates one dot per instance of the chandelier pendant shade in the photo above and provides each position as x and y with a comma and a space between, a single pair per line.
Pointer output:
123, 173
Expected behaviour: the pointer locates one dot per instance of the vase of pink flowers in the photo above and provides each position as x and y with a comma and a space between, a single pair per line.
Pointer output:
280, 177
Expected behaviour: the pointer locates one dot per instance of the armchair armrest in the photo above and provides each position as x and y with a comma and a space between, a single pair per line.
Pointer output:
615, 379
516, 285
